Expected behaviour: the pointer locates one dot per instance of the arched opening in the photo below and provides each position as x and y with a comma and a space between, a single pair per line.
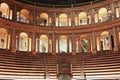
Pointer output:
63, 20
24, 16
83, 18
64, 77
105, 41
103, 15
63, 44
43, 44
43, 19
23, 42
3, 38
85, 43
5, 10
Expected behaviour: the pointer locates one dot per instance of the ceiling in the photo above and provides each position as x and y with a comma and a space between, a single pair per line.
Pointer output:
58, 2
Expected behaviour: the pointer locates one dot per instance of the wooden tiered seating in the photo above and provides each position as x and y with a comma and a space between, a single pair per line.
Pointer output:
25, 65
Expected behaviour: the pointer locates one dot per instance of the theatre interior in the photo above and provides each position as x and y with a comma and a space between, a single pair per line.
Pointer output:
59, 39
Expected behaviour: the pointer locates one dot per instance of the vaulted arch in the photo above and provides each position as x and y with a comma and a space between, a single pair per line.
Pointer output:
85, 43
43, 19
103, 15
43, 43
4, 8
24, 15
23, 41
63, 19
105, 40
83, 18
63, 44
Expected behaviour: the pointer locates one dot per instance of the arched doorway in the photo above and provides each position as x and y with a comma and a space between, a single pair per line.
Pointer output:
43, 44
83, 18
43, 19
5, 10
105, 41
85, 43
63, 20
23, 42
64, 77
24, 17
3, 38
63, 44
103, 15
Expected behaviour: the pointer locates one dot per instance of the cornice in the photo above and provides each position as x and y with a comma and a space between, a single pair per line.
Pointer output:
60, 30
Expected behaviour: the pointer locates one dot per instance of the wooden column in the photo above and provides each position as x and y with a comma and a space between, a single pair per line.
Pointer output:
28, 44
92, 16
72, 19
15, 13
94, 50
119, 8
7, 42
79, 46
68, 21
116, 38
118, 29
34, 17
18, 42
33, 43
49, 45
73, 44
13, 41
53, 44
99, 42
53, 19
113, 11
58, 22
58, 45
68, 44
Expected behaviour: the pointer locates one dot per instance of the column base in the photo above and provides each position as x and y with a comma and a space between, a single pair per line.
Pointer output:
13, 51
73, 53
53, 53
33, 52
118, 48
115, 49
94, 51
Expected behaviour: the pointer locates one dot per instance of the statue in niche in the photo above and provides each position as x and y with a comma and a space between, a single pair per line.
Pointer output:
45, 21
85, 45
2, 42
43, 48
42, 21
21, 43
107, 43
